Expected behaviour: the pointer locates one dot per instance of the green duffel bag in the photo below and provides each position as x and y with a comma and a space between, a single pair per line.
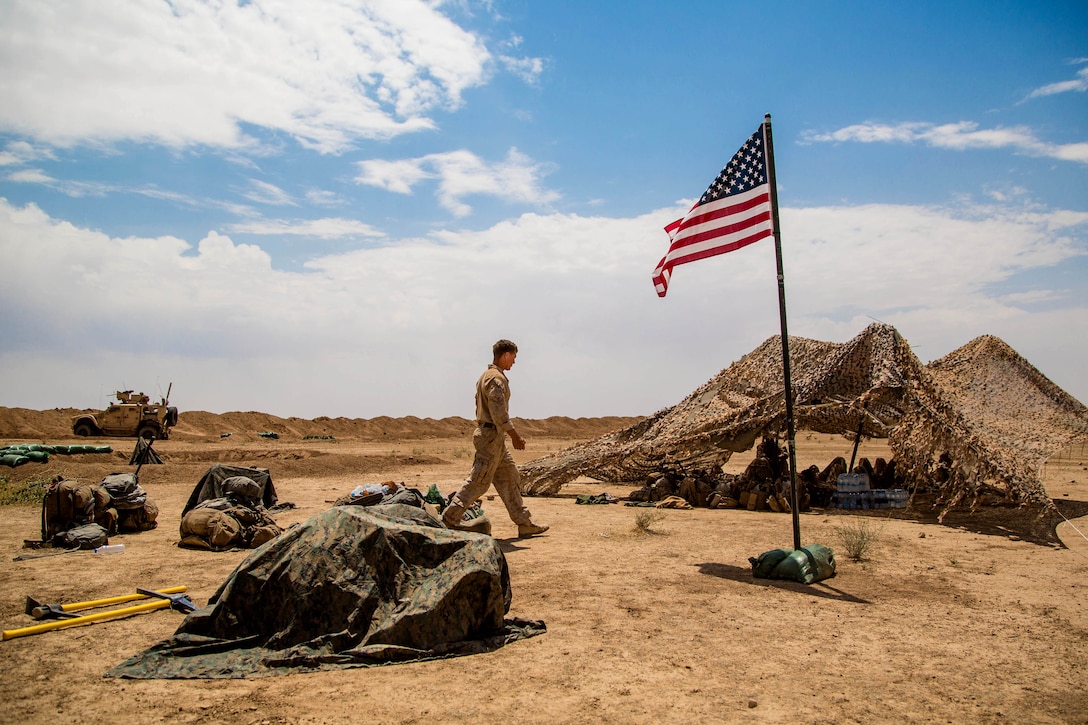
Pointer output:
764, 565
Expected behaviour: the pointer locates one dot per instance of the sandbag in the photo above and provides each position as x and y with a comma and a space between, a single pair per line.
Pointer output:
766, 562
808, 564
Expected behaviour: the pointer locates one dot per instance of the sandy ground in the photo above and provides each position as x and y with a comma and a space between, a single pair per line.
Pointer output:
940, 624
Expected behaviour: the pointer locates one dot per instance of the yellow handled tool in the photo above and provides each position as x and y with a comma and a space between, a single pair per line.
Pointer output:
86, 618
177, 601
42, 611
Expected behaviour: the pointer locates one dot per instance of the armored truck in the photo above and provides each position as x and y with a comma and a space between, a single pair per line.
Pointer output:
132, 415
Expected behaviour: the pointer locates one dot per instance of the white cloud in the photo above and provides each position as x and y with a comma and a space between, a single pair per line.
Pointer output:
1078, 84
21, 152
192, 72
264, 193
30, 176
460, 174
327, 228
323, 197
957, 136
396, 176
403, 328
528, 69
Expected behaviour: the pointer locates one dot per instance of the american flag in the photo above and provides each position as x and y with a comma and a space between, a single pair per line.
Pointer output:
733, 212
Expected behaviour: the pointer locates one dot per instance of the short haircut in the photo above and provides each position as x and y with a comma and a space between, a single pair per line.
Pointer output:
502, 347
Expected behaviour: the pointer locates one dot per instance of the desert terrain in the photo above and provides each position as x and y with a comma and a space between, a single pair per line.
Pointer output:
655, 624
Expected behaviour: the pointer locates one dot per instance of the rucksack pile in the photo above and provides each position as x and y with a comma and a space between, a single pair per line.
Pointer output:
73, 511
237, 519
129, 503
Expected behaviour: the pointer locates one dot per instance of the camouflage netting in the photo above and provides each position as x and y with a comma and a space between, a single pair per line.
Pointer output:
351, 587
992, 417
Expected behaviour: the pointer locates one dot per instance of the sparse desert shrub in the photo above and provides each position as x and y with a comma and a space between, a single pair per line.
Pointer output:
644, 520
858, 536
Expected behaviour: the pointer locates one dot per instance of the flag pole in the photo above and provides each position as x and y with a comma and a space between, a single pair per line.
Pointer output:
788, 390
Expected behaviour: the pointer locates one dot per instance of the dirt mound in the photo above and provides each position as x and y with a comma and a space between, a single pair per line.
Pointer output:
22, 423
36, 424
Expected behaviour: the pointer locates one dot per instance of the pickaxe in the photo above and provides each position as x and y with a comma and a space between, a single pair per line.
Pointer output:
180, 602
60, 611
167, 601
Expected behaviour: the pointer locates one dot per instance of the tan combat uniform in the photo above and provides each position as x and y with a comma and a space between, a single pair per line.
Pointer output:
493, 464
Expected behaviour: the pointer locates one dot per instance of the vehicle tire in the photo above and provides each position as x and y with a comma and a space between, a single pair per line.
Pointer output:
149, 430
84, 428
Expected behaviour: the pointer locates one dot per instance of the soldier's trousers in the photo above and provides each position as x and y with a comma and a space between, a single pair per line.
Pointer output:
492, 465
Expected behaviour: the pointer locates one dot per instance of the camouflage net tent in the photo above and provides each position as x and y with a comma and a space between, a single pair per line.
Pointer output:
352, 586
991, 412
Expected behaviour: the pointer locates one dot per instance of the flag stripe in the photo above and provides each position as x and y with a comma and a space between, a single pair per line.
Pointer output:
722, 208
695, 253
724, 229
709, 230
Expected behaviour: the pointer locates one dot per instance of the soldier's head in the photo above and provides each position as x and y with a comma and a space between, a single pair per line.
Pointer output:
504, 353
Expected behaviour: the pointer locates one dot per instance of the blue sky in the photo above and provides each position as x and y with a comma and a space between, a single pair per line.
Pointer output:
334, 208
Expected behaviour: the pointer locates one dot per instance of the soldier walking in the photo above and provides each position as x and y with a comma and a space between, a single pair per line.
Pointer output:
493, 464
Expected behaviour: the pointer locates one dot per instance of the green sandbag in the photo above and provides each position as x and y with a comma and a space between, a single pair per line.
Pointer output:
824, 558
767, 561
13, 459
808, 564
38, 456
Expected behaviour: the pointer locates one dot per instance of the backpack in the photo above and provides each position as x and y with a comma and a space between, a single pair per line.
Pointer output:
85, 536
66, 504
144, 518
134, 510
205, 527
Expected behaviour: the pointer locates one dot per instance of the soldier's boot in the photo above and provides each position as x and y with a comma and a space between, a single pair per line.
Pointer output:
530, 529
453, 517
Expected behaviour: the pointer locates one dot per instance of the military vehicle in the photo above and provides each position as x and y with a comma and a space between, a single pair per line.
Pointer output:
132, 415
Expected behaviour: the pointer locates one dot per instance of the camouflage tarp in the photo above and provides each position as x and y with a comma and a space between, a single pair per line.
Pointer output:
351, 587
211, 484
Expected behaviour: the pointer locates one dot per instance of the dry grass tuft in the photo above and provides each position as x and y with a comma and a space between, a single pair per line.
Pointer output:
645, 520
858, 536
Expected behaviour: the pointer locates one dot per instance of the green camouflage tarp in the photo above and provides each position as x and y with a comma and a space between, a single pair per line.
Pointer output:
351, 587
